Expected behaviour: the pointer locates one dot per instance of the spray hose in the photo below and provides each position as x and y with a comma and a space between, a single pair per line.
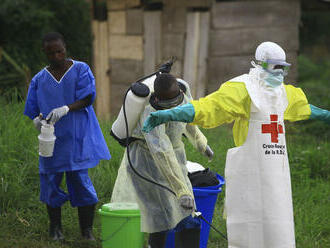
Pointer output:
165, 68
128, 142
200, 216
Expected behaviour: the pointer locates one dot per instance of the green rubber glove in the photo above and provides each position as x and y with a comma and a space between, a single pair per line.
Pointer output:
184, 113
319, 114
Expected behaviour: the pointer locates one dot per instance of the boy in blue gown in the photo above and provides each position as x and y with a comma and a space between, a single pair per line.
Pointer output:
63, 92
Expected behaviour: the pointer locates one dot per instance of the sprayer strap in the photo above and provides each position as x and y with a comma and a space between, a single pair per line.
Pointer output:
125, 141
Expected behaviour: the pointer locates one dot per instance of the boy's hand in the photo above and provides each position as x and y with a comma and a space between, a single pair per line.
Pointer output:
37, 122
57, 114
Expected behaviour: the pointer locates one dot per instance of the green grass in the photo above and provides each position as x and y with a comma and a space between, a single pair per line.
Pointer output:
24, 220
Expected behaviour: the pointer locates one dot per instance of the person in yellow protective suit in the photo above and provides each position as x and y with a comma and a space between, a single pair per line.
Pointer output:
258, 186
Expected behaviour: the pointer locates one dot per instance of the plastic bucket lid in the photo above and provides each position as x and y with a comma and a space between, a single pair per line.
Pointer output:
120, 208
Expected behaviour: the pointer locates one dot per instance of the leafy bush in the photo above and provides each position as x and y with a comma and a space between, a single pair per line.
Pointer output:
23, 24
314, 79
24, 219
315, 32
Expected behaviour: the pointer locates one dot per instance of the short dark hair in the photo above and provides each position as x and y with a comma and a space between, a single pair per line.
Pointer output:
52, 36
164, 82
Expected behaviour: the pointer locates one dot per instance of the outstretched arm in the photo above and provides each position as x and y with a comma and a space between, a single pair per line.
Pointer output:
319, 114
299, 109
228, 103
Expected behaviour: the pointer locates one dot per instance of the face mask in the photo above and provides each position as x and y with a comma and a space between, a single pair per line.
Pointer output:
274, 80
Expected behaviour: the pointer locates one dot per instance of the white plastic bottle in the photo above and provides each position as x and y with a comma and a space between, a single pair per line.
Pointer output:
134, 105
46, 140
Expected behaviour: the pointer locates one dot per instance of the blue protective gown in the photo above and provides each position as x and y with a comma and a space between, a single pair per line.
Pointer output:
79, 141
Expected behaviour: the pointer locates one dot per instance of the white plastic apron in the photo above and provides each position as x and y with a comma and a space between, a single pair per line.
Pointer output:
258, 186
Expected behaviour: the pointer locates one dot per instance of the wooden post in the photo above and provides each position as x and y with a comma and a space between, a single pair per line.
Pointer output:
152, 40
196, 51
203, 55
191, 51
101, 69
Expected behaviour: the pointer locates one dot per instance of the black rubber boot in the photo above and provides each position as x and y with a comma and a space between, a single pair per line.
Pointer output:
157, 240
86, 217
55, 226
187, 238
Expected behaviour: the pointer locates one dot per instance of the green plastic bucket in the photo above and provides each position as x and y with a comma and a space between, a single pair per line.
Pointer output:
120, 224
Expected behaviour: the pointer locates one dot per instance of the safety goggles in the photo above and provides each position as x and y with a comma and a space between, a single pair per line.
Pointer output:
170, 103
275, 66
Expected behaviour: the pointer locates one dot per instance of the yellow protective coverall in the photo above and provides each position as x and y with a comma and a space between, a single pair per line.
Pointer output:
231, 102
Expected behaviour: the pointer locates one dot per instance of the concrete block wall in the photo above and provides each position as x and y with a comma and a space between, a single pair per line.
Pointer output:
125, 22
235, 30
174, 27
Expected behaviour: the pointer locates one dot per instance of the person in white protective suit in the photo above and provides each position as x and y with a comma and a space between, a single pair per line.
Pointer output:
258, 187
160, 157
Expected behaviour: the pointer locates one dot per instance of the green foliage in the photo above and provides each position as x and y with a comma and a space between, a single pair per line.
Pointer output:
310, 71
24, 221
314, 79
14, 138
308, 161
315, 33
23, 24
311, 212
17, 80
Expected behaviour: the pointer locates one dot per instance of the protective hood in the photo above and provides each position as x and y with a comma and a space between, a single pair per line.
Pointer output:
272, 53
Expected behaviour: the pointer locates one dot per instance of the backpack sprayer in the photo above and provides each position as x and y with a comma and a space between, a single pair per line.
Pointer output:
137, 97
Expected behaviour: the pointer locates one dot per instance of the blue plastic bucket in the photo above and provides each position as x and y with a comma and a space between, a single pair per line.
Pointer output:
221, 183
205, 198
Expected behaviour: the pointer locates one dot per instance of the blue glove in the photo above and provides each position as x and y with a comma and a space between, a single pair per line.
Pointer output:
184, 113
319, 114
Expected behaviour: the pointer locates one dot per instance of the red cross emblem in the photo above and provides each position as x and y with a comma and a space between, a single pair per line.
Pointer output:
273, 128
